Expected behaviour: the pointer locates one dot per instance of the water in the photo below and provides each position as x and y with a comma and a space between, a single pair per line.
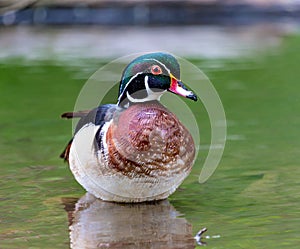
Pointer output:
252, 200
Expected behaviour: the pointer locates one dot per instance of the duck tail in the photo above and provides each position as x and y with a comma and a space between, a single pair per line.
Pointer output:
69, 115
66, 152
78, 114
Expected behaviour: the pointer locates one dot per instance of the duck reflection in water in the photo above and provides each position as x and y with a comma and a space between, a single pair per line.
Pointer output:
94, 223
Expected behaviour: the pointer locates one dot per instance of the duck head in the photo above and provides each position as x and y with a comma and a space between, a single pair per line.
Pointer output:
148, 77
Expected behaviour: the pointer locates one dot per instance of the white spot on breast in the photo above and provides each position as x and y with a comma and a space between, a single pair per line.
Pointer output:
180, 161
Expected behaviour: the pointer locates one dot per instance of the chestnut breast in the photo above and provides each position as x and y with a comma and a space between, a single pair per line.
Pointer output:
148, 140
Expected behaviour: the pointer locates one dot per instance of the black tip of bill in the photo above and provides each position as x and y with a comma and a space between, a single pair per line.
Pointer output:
192, 96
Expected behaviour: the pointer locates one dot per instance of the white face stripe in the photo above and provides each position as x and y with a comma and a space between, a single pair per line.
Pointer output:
150, 94
149, 91
134, 76
162, 64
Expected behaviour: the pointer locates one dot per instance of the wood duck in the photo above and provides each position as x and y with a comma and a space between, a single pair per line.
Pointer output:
135, 150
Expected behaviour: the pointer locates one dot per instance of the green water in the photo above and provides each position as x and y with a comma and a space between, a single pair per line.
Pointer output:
252, 200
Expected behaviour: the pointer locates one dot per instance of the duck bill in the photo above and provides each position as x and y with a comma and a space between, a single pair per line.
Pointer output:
179, 88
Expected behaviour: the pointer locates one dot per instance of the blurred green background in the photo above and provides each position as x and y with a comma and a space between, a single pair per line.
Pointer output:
251, 201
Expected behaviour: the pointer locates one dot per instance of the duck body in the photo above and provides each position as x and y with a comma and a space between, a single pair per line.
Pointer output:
131, 152
141, 153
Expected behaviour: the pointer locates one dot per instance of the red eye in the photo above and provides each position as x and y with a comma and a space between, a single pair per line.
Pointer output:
156, 70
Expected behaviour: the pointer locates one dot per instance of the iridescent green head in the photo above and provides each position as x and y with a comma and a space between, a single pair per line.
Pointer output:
147, 77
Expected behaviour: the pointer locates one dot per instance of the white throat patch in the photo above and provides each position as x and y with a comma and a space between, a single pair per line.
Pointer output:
151, 95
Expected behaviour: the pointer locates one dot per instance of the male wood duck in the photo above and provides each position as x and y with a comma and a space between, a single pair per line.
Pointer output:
135, 150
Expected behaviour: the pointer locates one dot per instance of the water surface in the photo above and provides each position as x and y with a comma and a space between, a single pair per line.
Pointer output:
252, 200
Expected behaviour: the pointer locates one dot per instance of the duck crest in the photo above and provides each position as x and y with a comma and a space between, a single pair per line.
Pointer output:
136, 150
142, 63
147, 77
